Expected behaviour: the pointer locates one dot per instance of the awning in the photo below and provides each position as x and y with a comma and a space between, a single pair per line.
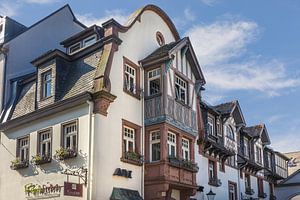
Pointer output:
125, 194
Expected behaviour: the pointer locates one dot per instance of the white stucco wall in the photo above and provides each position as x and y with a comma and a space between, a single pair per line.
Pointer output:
138, 42
36, 41
46, 173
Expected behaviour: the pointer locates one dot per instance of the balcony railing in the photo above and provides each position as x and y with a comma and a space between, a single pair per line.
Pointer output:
184, 164
215, 182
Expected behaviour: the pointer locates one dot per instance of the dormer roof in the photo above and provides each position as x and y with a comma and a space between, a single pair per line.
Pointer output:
232, 109
258, 131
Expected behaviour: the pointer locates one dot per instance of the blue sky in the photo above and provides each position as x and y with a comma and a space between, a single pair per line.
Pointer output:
248, 50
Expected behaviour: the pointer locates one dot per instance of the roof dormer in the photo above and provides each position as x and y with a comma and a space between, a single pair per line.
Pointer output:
83, 39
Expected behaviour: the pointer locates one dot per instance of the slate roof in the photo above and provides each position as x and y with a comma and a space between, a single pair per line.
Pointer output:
76, 78
253, 131
162, 51
225, 108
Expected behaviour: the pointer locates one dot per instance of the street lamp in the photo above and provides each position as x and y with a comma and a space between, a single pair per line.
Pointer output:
211, 195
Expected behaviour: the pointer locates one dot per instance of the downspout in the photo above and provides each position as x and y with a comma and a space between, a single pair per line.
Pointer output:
143, 134
91, 152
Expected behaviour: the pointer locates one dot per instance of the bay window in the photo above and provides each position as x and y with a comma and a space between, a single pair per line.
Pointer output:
154, 82
171, 145
155, 146
181, 90
185, 149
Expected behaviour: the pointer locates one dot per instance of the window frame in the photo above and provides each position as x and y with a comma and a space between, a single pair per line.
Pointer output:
214, 170
153, 78
137, 140
185, 148
230, 135
63, 138
211, 124
186, 89
39, 145
44, 84
160, 38
170, 144
230, 183
137, 87
128, 138
153, 142
18, 149
247, 181
258, 154
88, 38
73, 45
246, 147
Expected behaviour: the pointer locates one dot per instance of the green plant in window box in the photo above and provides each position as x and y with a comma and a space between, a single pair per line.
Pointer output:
38, 159
18, 164
188, 164
130, 155
65, 153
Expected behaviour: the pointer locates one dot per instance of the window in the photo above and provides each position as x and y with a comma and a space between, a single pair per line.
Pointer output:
185, 149
210, 126
131, 78
46, 84
246, 147
260, 185
1, 27
23, 149
160, 38
171, 145
232, 191
229, 132
219, 132
269, 160
44, 148
231, 161
222, 166
74, 48
247, 182
258, 155
154, 82
212, 170
155, 146
89, 41
70, 135
181, 90
128, 139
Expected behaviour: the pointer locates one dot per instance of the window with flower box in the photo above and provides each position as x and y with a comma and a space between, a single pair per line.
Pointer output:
131, 143
23, 149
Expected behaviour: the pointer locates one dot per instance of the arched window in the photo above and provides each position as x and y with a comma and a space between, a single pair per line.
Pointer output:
160, 38
229, 132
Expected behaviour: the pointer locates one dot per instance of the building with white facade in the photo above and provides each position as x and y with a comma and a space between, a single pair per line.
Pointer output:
115, 112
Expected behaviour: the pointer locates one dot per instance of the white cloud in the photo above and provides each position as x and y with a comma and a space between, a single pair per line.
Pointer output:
89, 19
209, 2
8, 8
189, 14
220, 45
41, 1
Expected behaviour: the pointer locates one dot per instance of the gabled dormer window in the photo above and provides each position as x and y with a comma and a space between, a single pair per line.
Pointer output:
46, 84
89, 41
74, 48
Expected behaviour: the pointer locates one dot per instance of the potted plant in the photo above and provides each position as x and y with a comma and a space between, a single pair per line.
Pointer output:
130, 155
18, 164
38, 159
65, 153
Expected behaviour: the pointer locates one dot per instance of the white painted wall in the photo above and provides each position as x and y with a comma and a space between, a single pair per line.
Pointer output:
36, 41
50, 172
108, 130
